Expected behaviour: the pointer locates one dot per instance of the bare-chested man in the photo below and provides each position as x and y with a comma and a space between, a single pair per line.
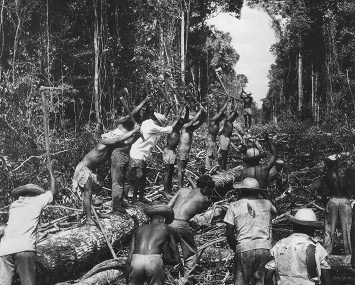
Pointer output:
186, 142
275, 174
186, 203
224, 138
247, 100
256, 170
84, 178
145, 263
335, 198
213, 130
120, 157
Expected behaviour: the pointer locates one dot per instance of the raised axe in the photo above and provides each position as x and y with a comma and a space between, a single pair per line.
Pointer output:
193, 97
174, 90
121, 93
161, 90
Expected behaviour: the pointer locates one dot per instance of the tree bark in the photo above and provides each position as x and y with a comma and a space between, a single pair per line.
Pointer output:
300, 83
68, 253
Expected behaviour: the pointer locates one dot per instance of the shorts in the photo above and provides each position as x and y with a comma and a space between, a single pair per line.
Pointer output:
247, 111
137, 163
211, 150
146, 268
82, 175
224, 142
169, 156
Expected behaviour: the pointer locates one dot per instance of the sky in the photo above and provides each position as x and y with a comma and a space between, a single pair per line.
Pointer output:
252, 37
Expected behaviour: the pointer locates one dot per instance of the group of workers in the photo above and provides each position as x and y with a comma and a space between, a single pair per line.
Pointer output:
297, 259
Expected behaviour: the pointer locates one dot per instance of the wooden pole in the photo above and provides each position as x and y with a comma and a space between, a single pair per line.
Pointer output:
45, 125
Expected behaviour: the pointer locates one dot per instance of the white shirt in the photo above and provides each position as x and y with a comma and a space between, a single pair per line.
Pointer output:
20, 233
142, 149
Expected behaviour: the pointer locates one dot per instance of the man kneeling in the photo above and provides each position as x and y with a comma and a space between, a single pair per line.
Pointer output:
145, 262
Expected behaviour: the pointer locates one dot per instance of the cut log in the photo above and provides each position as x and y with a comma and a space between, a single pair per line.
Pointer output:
66, 254
224, 180
107, 277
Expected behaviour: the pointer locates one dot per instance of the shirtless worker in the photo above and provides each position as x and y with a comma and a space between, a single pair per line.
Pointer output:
336, 201
120, 157
224, 138
213, 130
186, 142
275, 174
169, 155
144, 262
85, 179
247, 100
256, 170
186, 203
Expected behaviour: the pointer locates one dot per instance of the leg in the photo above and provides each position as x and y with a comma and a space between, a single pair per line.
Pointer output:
262, 256
345, 213
243, 267
181, 169
154, 270
223, 160
249, 121
7, 269
136, 271
26, 267
119, 165
136, 182
87, 202
330, 221
139, 184
168, 178
188, 247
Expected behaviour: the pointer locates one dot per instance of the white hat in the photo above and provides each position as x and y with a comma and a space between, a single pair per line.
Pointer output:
253, 154
305, 217
161, 118
249, 184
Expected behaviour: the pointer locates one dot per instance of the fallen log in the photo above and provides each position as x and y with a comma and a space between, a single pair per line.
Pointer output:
66, 254
224, 180
107, 277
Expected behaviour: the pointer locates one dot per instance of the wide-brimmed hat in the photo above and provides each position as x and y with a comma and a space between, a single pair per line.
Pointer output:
28, 188
253, 154
330, 159
160, 209
305, 217
161, 118
249, 184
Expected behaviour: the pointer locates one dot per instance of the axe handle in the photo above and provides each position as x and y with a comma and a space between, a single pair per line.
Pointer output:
46, 127
196, 101
162, 92
175, 92
125, 106
145, 80
220, 80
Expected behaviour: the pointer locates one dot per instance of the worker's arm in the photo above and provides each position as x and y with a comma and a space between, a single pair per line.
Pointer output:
221, 111
271, 162
202, 119
268, 277
231, 237
175, 249
134, 111
121, 138
194, 119
53, 185
168, 110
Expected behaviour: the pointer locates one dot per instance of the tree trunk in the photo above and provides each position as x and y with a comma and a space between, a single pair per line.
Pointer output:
96, 66
300, 83
182, 47
68, 253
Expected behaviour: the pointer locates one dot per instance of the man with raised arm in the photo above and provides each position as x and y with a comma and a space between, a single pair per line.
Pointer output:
145, 262
257, 170
336, 200
84, 179
120, 156
169, 155
141, 151
186, 203
224, 138
213, 130
247, 100
186, 142
18, 245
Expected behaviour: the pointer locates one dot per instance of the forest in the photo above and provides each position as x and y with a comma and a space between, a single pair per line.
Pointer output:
80, 54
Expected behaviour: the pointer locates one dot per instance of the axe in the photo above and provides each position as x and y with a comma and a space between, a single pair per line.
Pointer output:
220, 80
125, 106
194, 98
174, 90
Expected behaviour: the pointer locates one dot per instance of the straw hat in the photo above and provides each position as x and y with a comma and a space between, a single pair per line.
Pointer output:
160, 209
249, 184
253, 154
161, 118
28, 188
305, 217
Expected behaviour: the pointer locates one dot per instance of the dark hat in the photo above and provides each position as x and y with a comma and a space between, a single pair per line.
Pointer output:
28, 188
305, 217
249, 185
253, 154
160, 209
